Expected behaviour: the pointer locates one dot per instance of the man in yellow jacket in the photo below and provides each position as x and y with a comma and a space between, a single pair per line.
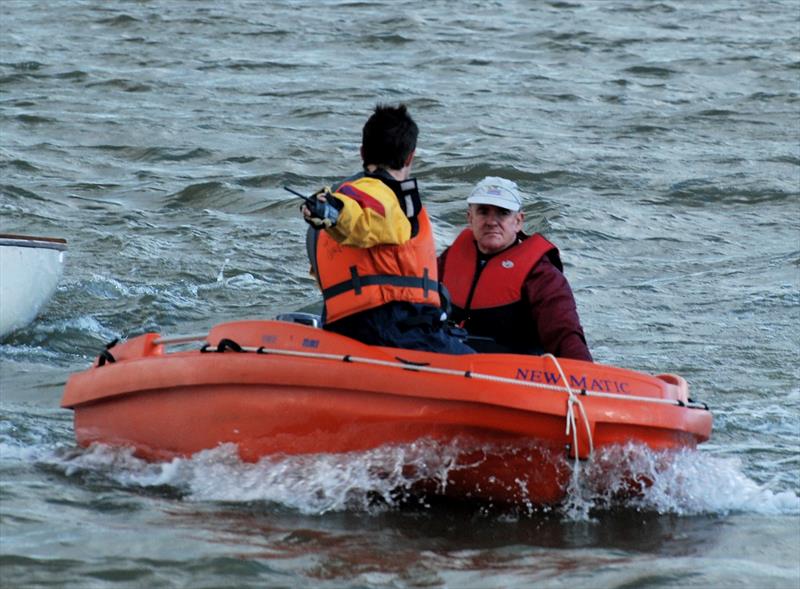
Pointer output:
372, 247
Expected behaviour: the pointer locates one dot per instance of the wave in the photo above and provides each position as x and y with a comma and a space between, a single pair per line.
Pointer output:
154, 153
683, 483
208, 195
28, 66
702, 192
651, 71
35, 119
19, 164
122, 84
121, 20
474, 172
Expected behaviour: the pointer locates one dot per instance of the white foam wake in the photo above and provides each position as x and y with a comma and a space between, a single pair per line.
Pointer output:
682, 483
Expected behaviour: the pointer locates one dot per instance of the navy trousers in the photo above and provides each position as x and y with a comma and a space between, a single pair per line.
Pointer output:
401, 325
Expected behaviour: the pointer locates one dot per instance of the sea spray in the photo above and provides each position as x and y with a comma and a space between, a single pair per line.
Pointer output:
683, 483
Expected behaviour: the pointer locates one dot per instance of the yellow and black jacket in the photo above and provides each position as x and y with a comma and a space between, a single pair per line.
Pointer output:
380, 250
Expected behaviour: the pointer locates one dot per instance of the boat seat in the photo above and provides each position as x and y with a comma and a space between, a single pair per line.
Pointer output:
309, 319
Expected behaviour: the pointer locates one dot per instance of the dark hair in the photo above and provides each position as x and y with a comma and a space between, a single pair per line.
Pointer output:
389, 136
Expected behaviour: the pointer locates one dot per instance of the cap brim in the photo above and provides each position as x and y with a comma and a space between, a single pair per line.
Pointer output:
496, 202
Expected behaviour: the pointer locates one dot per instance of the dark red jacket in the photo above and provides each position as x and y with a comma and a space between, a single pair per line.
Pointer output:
544, 318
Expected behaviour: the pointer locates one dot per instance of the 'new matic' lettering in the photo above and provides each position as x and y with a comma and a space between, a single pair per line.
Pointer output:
582, 382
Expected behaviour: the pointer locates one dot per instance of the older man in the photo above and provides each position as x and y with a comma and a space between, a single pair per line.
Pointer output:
507, 286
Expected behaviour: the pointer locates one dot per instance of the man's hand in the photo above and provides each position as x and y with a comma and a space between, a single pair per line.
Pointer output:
320, 209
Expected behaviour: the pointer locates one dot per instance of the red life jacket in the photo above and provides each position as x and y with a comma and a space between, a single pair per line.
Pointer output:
354, 279
489, 301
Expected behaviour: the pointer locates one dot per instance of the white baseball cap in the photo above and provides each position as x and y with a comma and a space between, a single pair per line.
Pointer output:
498, 192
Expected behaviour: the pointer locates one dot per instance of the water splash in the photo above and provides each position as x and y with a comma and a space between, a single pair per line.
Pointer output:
683, 483
221, 275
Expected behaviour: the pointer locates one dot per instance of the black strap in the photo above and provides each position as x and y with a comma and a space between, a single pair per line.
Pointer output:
406, 191
355, 280
106, 356
358, 282
445, 302
228, 344
411, 362
312, 237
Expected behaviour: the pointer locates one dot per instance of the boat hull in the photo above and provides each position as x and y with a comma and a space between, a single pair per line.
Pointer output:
30, 268
313, 394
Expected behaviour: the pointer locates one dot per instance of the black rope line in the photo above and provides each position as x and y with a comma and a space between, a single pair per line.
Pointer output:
411, 362
106, 356
228, 344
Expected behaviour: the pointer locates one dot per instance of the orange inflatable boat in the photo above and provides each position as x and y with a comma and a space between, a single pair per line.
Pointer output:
283, 388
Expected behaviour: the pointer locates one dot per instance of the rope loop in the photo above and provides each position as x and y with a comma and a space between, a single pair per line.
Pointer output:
105, 355
572, 401
228, 344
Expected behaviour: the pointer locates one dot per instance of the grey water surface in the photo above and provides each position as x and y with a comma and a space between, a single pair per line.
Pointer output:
658, 144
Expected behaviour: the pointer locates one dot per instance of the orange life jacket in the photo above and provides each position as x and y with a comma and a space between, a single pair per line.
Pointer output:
354, 279
501, 278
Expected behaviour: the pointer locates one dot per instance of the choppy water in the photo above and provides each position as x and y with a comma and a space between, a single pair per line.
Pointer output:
661, 141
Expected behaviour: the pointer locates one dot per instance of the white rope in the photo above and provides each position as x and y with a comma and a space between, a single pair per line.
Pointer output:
466, 374
573, 400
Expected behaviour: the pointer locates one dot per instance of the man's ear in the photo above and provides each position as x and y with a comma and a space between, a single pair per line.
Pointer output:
410, 158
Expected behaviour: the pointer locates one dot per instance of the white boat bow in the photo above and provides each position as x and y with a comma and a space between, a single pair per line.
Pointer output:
30, 268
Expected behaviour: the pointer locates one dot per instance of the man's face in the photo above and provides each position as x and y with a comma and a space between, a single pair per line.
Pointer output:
494, 228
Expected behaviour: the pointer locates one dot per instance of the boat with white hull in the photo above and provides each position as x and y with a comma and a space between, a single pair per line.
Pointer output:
30, 268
